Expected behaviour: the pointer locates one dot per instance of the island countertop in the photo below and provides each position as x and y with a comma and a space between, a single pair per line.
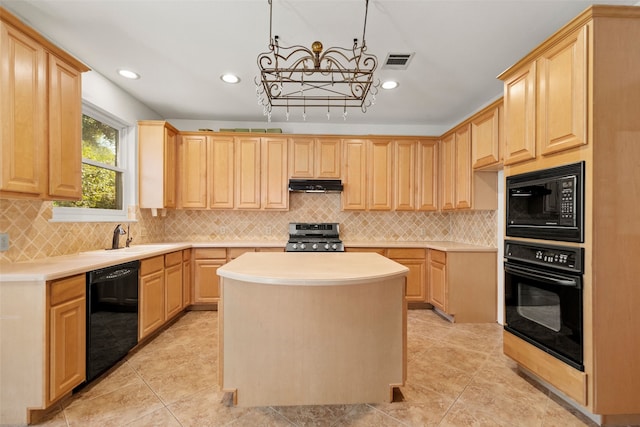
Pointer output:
311, 268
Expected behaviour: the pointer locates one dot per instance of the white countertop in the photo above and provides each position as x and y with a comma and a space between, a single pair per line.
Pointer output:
69, 265
311, 268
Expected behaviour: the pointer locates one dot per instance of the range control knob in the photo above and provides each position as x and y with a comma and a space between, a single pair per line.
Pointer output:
326, 246
334, 246
294, 246
302, 246
314, 246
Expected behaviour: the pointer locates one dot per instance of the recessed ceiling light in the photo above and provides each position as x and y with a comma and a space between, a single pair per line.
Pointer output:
230, 78
389, 84
128, 74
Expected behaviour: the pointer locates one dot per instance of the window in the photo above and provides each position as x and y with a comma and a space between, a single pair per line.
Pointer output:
105, 174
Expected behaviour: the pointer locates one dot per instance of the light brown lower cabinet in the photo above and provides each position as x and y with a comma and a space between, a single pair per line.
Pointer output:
412, 258
463, 285
152, 296
173, 284
67, 318
186, 278
205, 278
415, 260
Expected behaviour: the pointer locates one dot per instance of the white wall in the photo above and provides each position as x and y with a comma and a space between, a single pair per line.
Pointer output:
105, 95
500, 241
331, 128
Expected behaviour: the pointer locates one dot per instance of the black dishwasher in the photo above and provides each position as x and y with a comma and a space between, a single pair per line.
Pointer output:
112, 315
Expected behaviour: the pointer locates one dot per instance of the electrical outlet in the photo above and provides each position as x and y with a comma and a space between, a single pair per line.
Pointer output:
222, 231
4, 242
267, 231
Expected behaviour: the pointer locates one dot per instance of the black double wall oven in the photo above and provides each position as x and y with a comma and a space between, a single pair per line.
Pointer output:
544, 282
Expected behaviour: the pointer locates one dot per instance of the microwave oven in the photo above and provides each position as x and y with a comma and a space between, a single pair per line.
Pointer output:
547, 204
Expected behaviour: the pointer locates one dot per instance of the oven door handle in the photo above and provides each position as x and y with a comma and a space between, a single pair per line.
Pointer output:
549, 278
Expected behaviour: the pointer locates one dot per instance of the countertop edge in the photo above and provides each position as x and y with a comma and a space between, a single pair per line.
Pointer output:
69, 265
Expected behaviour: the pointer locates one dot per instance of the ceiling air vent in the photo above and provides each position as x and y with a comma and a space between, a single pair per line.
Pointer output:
397, 61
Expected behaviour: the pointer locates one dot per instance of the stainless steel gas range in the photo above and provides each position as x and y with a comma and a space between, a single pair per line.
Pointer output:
314, 237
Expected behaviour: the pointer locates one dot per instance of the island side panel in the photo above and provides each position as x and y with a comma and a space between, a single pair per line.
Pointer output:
304, 345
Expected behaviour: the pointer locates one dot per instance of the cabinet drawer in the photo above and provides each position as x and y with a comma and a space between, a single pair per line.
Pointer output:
270, 249
186, 254
375, 250
67, 289
406, 253
438, 256
233, 253
173, 258
210, 253
151, 265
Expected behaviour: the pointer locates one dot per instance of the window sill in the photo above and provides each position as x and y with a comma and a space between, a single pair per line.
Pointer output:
90, 215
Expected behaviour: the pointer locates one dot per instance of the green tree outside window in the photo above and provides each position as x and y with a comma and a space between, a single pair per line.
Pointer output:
101, 176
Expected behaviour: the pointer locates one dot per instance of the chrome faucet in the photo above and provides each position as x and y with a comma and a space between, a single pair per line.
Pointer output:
129, 238
117, 232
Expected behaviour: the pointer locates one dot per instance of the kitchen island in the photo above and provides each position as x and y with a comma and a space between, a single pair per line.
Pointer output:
311, 328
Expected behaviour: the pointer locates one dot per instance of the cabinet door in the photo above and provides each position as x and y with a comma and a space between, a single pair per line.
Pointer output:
427, 176
485, 139
354, 195
173, 289
301, 157
275, 193
169, 167
152, 303
327, 158
23, 147
186, 278
207, 283
438, 280
65, 131
157, 163
247, 180
67, 336
405, 176
562, 95
448, 164
193, 171
380, 181
222, 170
519, 116
463, 168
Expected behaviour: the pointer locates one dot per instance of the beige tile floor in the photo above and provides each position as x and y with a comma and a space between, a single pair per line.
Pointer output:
456, 376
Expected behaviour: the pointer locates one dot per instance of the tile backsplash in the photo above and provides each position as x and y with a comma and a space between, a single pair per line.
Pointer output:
33, 236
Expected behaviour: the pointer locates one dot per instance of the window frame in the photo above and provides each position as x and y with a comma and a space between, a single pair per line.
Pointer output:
127, 165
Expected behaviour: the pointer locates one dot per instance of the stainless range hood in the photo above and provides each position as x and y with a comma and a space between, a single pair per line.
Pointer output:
315, 185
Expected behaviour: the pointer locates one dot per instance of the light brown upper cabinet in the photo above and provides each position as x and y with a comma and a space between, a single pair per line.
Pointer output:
519, 116
157, 161
448, 168
222, 172
405, 178
486, 138
427, 175
354, 195
314, 157
40, 152
192, 170
368, 174
247, 173
274, 190
463, 167
229, 172
562, 94
390, 174
545, 104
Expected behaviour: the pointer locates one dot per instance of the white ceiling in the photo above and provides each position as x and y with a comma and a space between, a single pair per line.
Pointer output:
181, 47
